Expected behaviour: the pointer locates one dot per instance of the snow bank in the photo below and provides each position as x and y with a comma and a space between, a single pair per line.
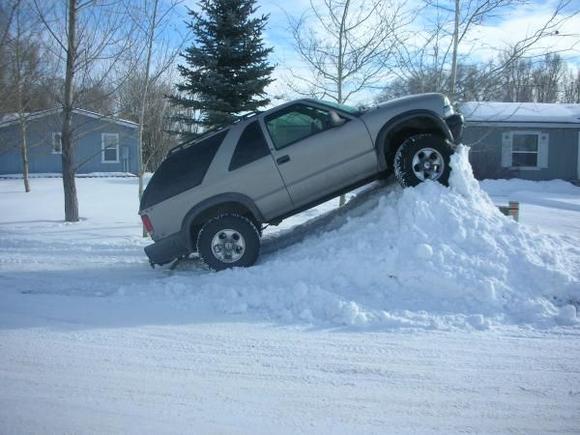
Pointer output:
429, 257
515, 185
489, 111
59, 175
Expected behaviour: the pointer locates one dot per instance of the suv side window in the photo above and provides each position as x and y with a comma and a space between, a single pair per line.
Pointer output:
296, 123
251, 146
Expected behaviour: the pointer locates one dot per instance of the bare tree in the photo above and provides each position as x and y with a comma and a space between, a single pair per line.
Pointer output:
21, 78
157, 138
471, 83
547, 79
153, 20
22, 73
8, 10
571, 88
91, 42
98, 97
150, 37
436, 59
71, 206
515, 78
344, 45
469, 13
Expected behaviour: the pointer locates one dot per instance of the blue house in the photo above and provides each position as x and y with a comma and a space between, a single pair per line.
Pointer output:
534, 141
102, 143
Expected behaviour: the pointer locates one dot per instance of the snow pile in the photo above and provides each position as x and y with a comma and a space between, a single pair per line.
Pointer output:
428, 257
78, 175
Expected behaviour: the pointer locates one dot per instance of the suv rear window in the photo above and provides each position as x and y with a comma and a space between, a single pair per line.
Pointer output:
252, 146
182, 170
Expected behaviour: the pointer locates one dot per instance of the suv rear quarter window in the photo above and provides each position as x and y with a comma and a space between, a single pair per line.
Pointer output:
251, 146
182, 170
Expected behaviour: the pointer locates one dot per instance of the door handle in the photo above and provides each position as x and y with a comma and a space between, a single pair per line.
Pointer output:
283, 159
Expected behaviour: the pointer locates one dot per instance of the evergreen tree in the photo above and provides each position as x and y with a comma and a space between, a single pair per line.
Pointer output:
226, 67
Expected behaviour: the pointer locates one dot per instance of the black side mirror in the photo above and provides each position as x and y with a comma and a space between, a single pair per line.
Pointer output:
335, 119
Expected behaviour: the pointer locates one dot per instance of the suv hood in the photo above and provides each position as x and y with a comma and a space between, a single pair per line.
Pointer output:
410, 102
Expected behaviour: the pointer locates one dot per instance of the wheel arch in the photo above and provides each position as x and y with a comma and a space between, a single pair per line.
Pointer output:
404, 125
221, 204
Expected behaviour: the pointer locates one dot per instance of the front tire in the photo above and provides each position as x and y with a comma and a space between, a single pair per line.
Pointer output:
423, 157
227, 241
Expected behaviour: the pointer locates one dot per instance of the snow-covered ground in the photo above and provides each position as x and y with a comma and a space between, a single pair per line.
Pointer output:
416, 311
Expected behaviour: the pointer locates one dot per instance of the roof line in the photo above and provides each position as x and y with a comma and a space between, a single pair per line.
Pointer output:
493, 123
90, 114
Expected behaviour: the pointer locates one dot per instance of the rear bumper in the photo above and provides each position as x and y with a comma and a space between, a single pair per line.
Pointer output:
167, 249
455, 123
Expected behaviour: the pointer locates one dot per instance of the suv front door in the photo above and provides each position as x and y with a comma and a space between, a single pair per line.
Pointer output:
316, 158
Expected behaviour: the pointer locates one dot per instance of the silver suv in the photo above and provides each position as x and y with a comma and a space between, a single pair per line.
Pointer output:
213, 194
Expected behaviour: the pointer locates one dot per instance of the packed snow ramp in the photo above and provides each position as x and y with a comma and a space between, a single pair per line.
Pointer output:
426, 257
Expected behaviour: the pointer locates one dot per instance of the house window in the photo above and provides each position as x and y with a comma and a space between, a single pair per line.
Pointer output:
110, 147
57, 143
525, 149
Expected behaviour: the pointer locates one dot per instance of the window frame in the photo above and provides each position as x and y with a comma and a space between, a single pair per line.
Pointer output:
341, 108
103, 135
289, 109
54, 135
537, 152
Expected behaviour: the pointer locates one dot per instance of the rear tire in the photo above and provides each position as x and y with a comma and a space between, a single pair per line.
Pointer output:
227, 241
423, 157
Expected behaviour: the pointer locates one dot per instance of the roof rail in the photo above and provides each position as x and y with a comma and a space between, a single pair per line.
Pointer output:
248, 115
211, 131
194, 140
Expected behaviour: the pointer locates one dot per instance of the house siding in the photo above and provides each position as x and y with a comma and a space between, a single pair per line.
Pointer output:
486, 153
86, 136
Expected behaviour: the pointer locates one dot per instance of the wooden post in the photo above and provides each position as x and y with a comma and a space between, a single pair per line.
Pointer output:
514, 208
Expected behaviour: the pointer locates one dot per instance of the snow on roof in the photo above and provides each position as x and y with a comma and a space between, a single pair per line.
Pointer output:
478, 111
7, 119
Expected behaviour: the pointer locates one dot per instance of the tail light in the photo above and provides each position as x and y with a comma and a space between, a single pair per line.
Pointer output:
147, 223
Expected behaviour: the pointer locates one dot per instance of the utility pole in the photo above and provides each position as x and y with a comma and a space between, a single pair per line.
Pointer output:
455, 45
150, 39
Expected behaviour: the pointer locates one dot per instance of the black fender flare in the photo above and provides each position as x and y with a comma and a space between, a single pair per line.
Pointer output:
383, 147
222, 198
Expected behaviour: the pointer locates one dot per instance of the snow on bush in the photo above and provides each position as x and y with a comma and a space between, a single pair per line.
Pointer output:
427, 257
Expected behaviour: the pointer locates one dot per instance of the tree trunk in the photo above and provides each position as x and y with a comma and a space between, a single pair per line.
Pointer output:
342, 199
21, 103
24, 153
71, 206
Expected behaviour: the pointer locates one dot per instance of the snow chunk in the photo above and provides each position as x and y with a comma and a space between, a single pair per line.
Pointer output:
424, 251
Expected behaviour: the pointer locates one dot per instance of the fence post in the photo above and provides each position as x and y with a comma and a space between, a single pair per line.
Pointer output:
514, 210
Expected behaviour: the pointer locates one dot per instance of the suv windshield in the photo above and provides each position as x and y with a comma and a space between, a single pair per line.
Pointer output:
343, 107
